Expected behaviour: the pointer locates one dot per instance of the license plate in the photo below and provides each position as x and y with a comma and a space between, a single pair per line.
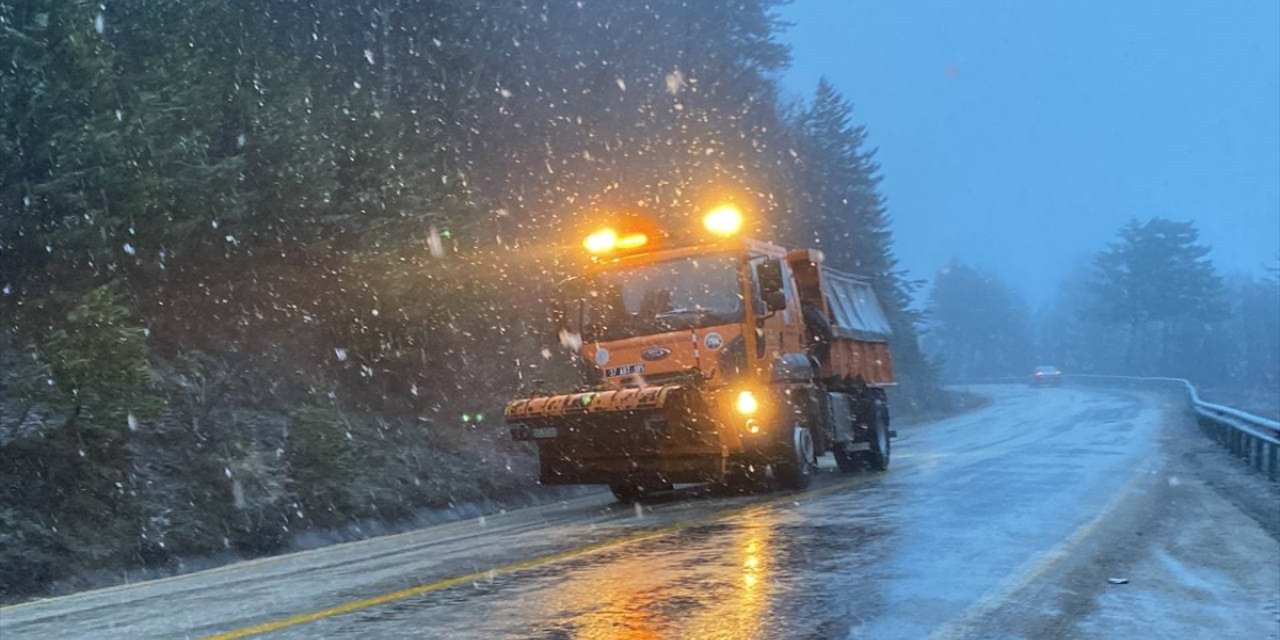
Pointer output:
542, 432
624, 370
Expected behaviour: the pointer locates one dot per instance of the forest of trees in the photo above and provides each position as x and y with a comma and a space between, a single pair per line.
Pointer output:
1150, 303
979, 326
255, 254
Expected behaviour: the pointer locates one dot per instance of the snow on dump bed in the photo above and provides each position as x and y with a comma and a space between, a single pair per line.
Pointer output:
857, 312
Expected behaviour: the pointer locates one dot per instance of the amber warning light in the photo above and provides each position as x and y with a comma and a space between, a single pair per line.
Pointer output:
724, 220
606, 240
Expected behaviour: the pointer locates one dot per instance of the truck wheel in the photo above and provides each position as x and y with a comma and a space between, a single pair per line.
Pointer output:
627, 493
795, 467
878, 457
846, 461
746, 478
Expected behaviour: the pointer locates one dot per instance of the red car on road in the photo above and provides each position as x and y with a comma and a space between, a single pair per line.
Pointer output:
1046, 376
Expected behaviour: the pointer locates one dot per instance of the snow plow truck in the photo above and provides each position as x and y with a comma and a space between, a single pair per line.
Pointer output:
720, 359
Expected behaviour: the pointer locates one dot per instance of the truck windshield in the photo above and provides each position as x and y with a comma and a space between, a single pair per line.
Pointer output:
666, 296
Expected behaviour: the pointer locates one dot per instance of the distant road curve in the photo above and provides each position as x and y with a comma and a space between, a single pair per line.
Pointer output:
1007, 521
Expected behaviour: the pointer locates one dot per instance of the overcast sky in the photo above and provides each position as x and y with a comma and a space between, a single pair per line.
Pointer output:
1020, 135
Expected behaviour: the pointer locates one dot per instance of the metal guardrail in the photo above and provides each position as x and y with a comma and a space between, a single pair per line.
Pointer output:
1253, 439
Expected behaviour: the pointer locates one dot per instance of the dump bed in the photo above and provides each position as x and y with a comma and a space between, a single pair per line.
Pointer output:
860, 345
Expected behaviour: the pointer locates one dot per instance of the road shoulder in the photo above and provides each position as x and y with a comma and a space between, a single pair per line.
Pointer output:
1194, 542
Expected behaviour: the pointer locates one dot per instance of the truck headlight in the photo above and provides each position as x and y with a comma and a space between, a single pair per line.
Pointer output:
746, 403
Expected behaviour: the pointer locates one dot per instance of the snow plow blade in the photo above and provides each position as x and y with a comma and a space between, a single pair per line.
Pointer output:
654, 435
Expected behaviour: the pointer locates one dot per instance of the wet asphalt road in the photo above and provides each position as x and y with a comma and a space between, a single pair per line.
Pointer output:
1002, 522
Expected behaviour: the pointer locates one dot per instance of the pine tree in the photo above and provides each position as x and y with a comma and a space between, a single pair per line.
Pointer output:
840, 209
63, 172
1156, 273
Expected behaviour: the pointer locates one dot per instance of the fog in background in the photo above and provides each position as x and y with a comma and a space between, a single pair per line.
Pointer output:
1020, 136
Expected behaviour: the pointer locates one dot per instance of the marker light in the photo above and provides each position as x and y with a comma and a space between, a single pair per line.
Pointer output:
724, 220
601, 241
746, 404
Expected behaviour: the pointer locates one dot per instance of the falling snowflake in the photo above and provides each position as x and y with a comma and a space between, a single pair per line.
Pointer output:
133, 422
570, 340
341, 354
99, 23
675, 82
128, 248
435, 244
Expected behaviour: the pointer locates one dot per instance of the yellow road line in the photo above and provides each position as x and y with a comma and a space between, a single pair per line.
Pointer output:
366, 603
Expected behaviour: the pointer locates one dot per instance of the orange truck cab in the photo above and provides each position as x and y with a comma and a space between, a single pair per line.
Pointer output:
729, 360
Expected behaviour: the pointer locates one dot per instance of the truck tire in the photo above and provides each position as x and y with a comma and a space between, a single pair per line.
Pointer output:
746, 478
627, 493
878, 457
795, 466
846, 461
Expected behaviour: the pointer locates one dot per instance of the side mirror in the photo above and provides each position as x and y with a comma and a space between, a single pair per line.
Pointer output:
770, 274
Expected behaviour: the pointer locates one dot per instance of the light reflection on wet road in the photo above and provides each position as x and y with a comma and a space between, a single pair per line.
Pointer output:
974, 507
968, 503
